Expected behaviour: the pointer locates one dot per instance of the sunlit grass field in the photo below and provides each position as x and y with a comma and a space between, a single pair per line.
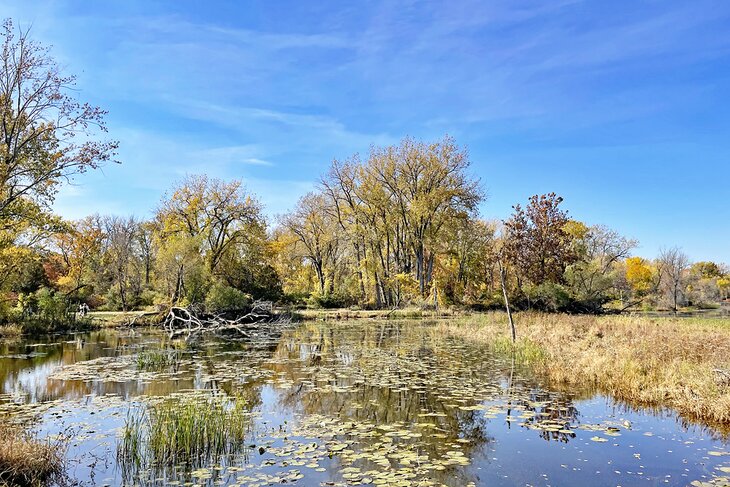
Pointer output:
682, 363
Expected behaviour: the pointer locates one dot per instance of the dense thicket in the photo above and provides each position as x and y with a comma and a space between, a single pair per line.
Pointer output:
399, 228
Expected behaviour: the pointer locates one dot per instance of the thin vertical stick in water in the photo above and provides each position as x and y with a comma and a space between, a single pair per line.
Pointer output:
502, 276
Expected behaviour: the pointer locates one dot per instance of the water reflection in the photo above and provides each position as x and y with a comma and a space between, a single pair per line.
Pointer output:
356, 400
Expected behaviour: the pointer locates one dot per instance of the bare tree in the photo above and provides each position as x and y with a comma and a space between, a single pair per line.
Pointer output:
120, 256
316, 233
503, 283
673, 264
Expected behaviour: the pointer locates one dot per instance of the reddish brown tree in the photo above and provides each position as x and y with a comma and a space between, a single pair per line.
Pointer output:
537, 245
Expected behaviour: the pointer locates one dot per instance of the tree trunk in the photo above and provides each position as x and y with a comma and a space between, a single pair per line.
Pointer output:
503, 281
360, 279
419, 269
320, 275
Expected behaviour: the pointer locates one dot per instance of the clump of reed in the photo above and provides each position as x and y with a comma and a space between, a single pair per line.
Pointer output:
191, 430
647, 361
26, 460
157, 359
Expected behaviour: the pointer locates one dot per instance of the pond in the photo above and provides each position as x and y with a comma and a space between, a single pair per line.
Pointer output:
353, 403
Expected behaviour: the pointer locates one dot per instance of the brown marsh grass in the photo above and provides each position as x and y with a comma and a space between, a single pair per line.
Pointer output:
381, 314
681, 363
26, 460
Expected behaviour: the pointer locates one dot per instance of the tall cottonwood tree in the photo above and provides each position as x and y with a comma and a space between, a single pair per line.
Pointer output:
390, 216
211, 222
429, 186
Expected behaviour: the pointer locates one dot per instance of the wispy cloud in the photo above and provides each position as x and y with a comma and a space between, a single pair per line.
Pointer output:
265, 91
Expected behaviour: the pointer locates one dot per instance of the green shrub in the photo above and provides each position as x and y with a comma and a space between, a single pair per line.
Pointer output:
149, 297
112, 300
549, 296
197, 285
225, 298
52, 306
329, 300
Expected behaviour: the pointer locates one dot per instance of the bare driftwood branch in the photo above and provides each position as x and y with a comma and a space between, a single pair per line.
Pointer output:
258, 322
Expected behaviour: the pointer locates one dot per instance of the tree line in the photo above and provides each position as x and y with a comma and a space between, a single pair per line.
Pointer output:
396, 228
402, 227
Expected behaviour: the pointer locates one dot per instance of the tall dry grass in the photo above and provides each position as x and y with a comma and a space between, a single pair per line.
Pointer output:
681, 363
26, 460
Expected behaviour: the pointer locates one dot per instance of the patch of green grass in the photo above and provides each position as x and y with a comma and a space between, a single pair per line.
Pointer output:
157, 359
192, 430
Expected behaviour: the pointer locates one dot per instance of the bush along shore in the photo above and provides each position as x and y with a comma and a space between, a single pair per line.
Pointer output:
679, 363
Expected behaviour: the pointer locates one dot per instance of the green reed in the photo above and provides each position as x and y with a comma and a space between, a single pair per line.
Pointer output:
191, 430
157, 359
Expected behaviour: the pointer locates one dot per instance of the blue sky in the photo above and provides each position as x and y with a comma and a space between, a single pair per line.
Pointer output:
622, 107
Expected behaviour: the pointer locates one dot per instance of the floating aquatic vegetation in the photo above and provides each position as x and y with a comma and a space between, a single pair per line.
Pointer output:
122, 368
350, 404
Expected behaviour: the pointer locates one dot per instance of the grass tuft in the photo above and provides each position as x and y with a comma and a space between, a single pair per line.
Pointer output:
157, 359
26, 460
192, 430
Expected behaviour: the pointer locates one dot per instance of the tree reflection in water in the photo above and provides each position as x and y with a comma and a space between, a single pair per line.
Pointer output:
395, 385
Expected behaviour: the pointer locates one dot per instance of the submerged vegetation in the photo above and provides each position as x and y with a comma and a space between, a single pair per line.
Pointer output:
681, 363
26, 460
190, 430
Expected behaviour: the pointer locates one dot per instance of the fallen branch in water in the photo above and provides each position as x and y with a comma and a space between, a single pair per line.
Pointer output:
258, 322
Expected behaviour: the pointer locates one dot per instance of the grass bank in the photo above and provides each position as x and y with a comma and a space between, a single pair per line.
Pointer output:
377, 314
681, 363
26, 460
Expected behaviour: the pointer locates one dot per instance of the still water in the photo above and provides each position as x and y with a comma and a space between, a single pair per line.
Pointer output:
356, 403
